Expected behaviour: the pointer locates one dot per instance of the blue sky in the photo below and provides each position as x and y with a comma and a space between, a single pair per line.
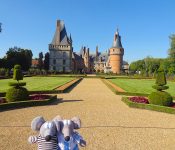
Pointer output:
144, 25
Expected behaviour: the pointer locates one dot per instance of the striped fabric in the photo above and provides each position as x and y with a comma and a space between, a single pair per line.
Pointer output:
43, 144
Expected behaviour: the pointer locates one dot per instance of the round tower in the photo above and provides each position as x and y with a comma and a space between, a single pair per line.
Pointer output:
116, 53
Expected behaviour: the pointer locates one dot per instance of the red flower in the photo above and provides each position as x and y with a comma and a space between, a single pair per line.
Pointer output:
139, 99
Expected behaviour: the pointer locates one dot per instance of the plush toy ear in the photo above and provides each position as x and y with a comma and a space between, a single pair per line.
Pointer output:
57, 124
37, 123
77, 122
57, 120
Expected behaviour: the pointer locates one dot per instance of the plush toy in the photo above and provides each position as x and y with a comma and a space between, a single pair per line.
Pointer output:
47, 138
68, 138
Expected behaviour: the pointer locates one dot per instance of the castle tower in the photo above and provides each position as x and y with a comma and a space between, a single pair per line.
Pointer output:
61, 50
116, 53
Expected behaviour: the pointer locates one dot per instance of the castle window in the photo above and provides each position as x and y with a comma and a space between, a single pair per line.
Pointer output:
64, 54
54, 61
64, 61
54, 68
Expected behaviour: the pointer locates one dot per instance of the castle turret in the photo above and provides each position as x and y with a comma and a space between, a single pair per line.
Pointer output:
116, 53
61, 49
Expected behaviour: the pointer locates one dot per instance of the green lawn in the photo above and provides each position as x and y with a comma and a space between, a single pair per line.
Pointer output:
37, 83
140, 85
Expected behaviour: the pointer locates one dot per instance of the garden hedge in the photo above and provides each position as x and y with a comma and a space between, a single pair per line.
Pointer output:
148, 106
28, 103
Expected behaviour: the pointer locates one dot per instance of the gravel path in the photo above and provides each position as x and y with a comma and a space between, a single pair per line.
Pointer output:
108, 124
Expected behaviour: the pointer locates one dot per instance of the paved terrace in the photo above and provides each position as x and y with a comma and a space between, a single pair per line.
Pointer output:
108, 124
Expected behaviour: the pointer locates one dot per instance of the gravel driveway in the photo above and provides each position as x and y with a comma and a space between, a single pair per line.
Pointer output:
108, 124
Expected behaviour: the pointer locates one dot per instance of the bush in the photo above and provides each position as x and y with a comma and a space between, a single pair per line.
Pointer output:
16, 84
17, 73
160, 98
160, 88
17, 94
2, 71
161, 79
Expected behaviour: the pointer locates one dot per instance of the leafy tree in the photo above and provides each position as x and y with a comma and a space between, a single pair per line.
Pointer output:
171, 52
40, 61
46, 61
16, 55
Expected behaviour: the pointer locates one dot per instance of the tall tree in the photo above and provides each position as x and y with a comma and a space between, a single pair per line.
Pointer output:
171, 52
46, 61
40, 61
19, 56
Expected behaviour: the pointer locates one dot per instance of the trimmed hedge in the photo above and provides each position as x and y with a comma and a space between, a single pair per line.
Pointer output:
28, 103
160, 98
17, 94
160, 88
17, 84
148, 106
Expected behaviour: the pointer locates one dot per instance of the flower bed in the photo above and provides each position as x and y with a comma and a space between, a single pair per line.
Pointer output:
139, 99
34, 100
142, 105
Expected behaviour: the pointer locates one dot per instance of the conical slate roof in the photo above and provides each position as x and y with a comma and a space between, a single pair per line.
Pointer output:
60, 37
117, 40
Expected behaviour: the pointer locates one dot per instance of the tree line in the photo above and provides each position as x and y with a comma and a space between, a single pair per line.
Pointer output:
149, 66
22, 57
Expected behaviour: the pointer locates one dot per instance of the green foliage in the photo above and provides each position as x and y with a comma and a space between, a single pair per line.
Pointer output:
2, 71
40, 61
20, 104
7, 73
160, 88
19, 56
16, 84
161, 79
160, 98
17, 94
148, 106
17, 73
46, 61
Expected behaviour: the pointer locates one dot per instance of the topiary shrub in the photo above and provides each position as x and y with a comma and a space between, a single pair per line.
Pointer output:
16, 84
160, 97
17, 73
17, 94
161, 79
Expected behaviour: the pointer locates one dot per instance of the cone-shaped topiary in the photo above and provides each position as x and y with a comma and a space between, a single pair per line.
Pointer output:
161, 79
160, 97
17, 93
17, 73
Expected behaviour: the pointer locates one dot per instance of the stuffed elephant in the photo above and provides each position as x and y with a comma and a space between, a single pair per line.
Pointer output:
47, 138
68, 138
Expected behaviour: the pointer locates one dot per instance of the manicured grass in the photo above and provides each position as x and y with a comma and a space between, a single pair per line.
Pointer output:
37, 83
141, 85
